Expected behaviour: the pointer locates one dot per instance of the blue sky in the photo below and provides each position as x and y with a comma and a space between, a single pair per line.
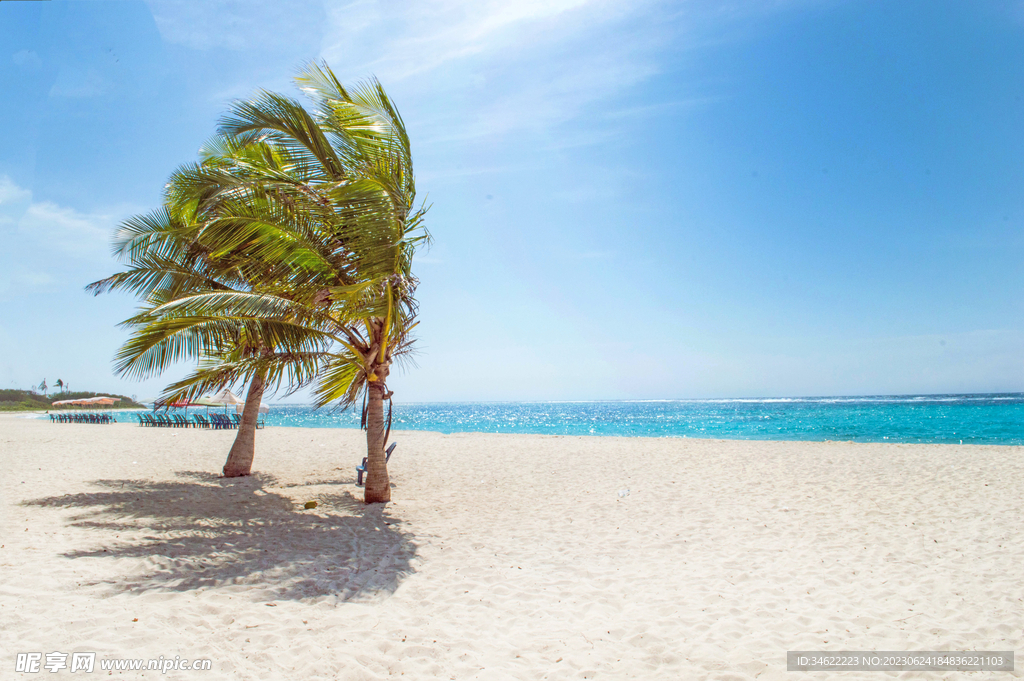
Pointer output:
631, 200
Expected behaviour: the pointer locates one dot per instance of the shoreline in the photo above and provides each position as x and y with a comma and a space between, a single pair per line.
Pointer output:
44, 412
505, 556
604, 435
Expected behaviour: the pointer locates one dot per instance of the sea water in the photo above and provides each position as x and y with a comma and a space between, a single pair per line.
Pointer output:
970, 419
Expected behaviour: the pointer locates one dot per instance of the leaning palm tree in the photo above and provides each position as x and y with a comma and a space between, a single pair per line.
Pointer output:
170, 267
349, 163
302, 220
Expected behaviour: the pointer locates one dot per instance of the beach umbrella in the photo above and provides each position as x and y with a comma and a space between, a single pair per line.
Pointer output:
264, 408
206, 401
184, 404
101, 401
226, 397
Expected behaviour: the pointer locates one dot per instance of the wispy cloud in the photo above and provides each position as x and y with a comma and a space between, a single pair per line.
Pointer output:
487, 69
22, 279
464, 70
482, 70
11, 196
420, 37
53, 227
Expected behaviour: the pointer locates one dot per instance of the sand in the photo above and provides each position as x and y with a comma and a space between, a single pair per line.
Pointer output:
503, 556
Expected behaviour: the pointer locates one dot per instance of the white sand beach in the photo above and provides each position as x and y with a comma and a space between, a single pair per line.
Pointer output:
503, 556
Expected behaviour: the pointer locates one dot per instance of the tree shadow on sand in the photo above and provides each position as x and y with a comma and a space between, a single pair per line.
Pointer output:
204, 531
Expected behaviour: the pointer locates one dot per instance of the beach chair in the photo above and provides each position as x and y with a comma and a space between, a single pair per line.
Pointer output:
200, 422
361, 469
237, 420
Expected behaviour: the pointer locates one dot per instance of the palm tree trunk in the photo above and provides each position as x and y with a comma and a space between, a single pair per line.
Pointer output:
244, 449
378, 486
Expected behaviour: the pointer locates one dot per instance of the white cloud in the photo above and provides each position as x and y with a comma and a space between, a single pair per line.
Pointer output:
67, 229
11, 195
50, 226
400, 40
22, 279
471, 69
481, 69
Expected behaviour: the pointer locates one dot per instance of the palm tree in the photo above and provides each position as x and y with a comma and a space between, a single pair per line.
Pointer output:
286, 249
327, 198
347, 164
170, 267
42, 387
60, 385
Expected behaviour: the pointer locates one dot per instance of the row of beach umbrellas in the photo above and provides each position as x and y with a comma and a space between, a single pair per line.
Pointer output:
88, 401
224, 398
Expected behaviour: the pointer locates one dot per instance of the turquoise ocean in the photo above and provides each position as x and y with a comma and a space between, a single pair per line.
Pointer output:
970, 419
